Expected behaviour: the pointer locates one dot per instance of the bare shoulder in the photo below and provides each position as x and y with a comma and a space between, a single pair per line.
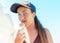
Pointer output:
49, 37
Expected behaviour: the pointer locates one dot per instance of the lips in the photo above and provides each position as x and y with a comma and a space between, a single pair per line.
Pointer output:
23, 21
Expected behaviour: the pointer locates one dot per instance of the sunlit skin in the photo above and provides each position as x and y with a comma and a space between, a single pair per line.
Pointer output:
26, 16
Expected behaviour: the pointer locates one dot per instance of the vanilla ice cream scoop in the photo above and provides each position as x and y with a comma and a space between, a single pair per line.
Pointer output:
23, 28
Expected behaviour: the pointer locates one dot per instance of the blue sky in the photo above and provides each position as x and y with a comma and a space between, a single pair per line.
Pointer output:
48, 12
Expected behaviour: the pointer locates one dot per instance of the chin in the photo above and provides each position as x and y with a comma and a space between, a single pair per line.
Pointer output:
26, 25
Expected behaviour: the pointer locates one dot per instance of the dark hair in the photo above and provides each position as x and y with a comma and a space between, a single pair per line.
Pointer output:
41, 31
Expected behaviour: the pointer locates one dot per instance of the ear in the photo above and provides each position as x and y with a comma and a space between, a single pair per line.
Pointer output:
34, 14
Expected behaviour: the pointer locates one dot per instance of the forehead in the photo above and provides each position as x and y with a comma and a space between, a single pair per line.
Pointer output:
23, 9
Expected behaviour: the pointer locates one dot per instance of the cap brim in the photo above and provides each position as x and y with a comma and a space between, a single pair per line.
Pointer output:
15, 6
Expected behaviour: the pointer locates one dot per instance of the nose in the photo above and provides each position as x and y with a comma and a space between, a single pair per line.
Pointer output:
21, 17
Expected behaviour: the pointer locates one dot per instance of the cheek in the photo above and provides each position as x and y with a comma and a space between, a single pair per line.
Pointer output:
19, 18
30, 19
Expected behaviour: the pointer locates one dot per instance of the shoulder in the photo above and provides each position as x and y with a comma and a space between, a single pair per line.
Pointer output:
48, 36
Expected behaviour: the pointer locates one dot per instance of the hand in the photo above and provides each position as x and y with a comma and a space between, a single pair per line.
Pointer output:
20, 37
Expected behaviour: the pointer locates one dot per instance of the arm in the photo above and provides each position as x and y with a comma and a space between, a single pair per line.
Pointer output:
48, 36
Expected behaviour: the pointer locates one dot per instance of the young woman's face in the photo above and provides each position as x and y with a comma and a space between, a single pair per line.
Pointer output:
25, 15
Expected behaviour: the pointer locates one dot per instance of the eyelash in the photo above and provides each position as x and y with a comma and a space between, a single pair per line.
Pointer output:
19, 14
23, 14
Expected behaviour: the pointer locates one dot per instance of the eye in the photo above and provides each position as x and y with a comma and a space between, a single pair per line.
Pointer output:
26, 13
19, 14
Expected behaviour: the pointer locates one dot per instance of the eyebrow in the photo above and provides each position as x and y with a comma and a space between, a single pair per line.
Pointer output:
24, 10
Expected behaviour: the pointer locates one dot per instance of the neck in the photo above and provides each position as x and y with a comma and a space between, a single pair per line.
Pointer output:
32, 31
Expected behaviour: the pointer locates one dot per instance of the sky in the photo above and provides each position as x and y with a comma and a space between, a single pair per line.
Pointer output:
48, 12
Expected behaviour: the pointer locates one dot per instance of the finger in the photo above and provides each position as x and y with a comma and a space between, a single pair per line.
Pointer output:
21, 36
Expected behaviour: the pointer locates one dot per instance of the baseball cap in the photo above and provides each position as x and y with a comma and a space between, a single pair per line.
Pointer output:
15, 6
